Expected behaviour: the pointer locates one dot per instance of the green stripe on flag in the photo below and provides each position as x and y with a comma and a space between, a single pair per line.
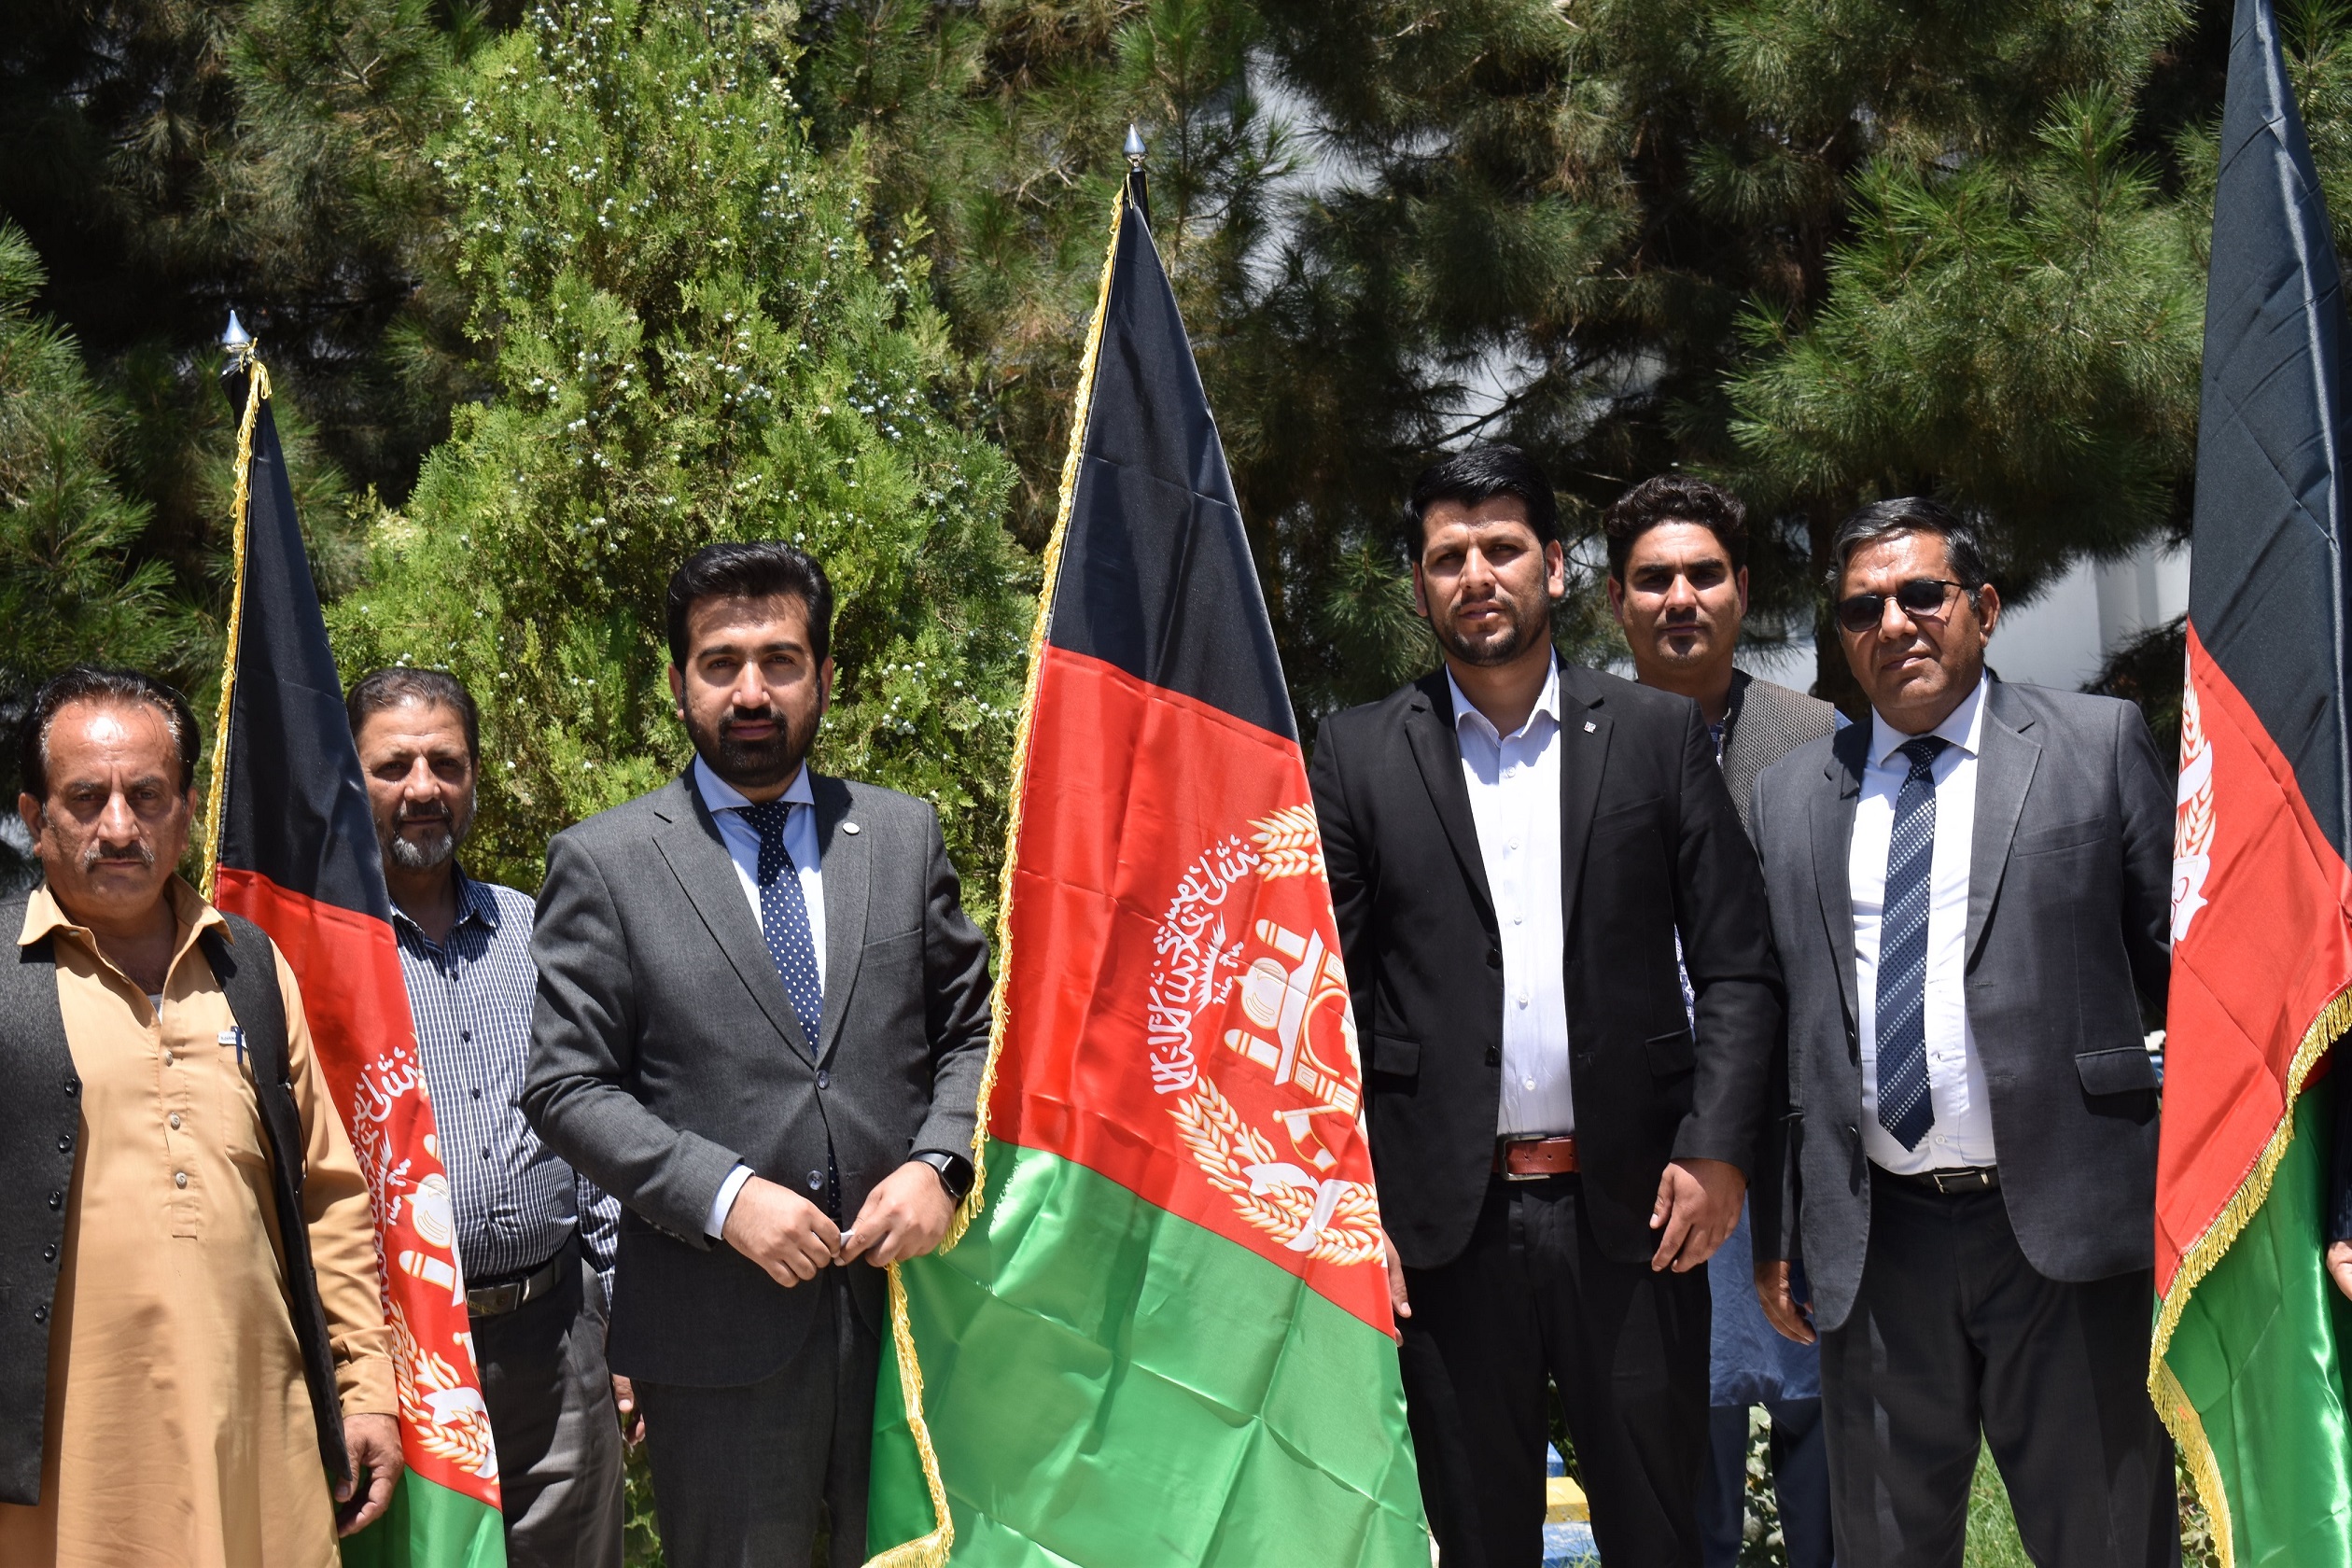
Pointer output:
430, 1526
2256, 1353
1110, 1385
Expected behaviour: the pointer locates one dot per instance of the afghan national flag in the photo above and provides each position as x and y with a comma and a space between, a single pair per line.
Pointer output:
296, 853
1163, 1338
2247, 1370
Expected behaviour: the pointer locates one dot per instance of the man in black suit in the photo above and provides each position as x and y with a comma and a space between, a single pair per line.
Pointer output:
1972, 897
1512, 844
763, 1016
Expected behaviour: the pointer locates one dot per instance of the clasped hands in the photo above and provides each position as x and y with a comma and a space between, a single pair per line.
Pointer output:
791, 1238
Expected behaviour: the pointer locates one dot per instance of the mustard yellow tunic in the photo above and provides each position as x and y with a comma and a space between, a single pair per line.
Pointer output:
180, 1428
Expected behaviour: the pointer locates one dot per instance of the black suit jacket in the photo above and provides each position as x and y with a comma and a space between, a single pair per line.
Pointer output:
1648, 844
2068, 934
665, 1049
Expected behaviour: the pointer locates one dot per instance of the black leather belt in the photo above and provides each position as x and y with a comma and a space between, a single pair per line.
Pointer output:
491, 1301
1953, 1181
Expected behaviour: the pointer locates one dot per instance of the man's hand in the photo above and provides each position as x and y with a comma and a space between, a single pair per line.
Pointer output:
2339, 1257
1397, 1302
903, 1217
375, 1445
1698, 1205
1791, 1318
782, 1231
624, 1401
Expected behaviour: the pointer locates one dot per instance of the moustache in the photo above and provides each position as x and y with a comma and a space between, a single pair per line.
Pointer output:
407, 814
137, 854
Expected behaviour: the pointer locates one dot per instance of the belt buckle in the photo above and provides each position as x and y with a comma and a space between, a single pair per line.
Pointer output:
1951, 1184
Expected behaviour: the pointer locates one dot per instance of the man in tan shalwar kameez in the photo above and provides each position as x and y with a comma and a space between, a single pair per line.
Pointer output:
179, 1428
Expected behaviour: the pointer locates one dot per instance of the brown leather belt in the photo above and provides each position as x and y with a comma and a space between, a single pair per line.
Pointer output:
1531, 1159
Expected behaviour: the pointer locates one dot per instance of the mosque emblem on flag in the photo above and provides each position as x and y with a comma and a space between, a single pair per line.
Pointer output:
1251, 1033
2192, 814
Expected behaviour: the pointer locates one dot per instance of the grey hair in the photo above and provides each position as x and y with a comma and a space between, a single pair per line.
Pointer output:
1964, 541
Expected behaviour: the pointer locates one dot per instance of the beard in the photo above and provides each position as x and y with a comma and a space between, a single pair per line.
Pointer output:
753, 764
1526, 624
434, 850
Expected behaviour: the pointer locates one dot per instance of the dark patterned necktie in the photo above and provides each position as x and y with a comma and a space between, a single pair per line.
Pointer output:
784, 916
1904, 1108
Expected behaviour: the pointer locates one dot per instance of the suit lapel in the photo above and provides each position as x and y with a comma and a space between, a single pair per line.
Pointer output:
1584, 752
1429, 730
845, 860
1832, 831
689, 840
2005, 771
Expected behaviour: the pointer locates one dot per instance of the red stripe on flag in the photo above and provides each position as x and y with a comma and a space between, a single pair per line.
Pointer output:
1177, 1017
2261, 941
349, 969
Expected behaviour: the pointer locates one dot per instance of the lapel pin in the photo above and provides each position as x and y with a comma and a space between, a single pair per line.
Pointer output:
848, 827
1590, 726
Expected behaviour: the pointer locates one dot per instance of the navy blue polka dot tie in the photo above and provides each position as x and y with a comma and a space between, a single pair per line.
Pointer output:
1904, 1107
784, 916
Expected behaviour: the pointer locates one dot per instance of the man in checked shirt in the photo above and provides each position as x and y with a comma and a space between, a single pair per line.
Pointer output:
537, 1238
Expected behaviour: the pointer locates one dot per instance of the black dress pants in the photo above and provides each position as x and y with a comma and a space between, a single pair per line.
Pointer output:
741, 1474
1533, 1294
549, 1396
1954, 1334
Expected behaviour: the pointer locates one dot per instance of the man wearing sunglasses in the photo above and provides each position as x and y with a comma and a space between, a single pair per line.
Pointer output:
1971, 897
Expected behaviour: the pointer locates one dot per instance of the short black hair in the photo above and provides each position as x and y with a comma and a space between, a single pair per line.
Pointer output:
399, 685
1674, 498
1481, 473
760, 569
1964, 541
98, 683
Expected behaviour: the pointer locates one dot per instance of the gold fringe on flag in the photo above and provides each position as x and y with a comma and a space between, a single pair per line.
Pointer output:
2203, 1254
932, 1550
257, 393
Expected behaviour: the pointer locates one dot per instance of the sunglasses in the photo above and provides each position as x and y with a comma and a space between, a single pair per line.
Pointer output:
1921, 595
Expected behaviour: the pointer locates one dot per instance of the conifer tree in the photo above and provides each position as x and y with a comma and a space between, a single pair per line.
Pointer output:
690, 339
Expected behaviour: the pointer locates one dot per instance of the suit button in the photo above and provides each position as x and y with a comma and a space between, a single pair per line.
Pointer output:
65, 1145
1494, 958
57, 1200
40, 1314
824, 1080
73, 1087
48, 1253
815, 1180
1494, 1055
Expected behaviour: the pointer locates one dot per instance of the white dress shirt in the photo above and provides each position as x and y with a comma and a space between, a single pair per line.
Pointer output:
1963, 1133
726, 804
1514, 783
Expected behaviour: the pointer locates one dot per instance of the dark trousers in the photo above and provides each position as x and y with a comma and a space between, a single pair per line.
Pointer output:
1801, 1483
1954, 1332
1533, 1294
740, 1474
550, 1397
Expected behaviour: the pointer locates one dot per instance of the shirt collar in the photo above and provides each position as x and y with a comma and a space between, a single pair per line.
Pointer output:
475, 902
720, 795
1547, 705
1964, 726
45, 917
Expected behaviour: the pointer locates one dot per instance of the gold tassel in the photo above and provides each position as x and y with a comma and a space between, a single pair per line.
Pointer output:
257, 392
932, 1550
2201, 1257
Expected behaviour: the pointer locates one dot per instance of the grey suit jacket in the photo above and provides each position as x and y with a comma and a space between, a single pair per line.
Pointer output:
663, 1050
2069, 924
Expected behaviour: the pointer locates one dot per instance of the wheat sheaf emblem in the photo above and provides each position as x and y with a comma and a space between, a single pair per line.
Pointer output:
444, 1414
1289, 843
1330, 1220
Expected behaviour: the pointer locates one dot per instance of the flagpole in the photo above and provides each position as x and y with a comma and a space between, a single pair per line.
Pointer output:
242, 355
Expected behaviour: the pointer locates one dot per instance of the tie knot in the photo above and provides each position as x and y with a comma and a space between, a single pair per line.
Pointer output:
767, 819
1924, 752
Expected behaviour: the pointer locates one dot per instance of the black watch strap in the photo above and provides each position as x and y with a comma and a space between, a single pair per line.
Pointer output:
955, 1171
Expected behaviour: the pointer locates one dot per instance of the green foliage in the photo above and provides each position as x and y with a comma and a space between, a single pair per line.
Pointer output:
688, 339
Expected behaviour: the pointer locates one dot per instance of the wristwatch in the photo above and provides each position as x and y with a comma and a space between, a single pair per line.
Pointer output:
955, 1171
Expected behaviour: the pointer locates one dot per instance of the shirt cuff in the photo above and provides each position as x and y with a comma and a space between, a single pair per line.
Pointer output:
717, 1222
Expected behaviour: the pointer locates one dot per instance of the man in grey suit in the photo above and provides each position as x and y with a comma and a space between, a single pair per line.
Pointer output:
763, 1016
1971, 897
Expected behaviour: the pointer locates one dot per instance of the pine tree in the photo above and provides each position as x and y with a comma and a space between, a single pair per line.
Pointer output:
690, 339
